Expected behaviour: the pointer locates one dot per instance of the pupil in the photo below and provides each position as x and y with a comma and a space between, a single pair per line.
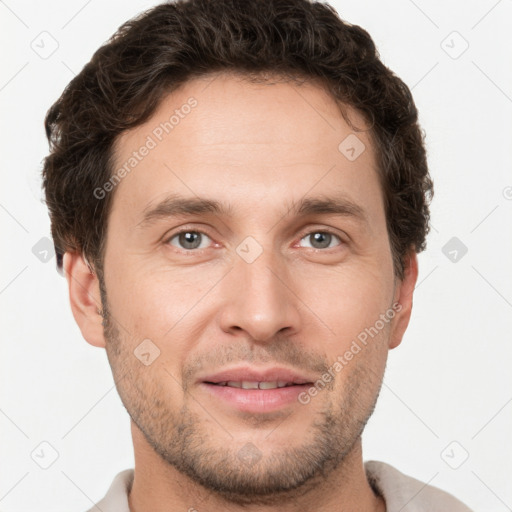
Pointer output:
324, 240
189, 240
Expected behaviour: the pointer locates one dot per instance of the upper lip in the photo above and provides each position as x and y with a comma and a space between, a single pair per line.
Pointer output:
252, 374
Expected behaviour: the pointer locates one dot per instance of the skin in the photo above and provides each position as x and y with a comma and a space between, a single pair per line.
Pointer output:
258, 147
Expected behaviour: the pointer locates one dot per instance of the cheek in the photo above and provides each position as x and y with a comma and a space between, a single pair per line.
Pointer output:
350, 301
163, 305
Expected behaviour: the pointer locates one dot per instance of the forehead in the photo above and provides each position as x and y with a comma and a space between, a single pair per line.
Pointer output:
223, 136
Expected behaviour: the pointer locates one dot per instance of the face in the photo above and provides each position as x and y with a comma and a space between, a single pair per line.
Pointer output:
247, 249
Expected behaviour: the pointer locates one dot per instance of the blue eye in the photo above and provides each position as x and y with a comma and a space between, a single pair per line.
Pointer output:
189, 240
321, 239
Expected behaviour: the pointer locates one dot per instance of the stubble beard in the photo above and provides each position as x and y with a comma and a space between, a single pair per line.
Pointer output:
242, 473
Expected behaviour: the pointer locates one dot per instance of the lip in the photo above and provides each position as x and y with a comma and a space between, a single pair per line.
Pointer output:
253, 374
257, 401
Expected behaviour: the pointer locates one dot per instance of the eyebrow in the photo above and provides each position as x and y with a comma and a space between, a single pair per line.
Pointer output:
174, 206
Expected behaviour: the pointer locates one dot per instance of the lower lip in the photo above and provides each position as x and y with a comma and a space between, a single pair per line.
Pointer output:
256, 400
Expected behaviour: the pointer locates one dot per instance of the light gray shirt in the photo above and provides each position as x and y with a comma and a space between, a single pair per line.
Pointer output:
401, 493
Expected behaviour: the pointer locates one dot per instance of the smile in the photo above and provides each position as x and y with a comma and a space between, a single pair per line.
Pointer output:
245, 384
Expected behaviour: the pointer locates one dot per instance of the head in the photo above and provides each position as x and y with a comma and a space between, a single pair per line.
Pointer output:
240, 187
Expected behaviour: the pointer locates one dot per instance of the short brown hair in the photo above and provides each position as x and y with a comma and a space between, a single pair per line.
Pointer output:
164, 47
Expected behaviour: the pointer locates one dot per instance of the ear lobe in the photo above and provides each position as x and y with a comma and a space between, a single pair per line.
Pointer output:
404, 296
84, 298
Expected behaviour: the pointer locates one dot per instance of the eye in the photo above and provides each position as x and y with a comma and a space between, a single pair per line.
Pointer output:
189, 240
321, 239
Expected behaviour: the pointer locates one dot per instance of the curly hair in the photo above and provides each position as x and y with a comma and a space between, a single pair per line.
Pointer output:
156, 52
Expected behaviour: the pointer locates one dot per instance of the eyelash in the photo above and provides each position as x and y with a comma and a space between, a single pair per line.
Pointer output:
304, 235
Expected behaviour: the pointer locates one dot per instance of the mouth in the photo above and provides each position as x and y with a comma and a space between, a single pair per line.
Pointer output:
246, 384
253, 390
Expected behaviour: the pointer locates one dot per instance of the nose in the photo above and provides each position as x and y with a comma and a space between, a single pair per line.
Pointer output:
260, 299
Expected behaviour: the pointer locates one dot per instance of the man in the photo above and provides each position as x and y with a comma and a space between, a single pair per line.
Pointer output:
238, 191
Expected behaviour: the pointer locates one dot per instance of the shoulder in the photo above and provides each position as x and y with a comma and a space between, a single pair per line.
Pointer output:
116, 499
406, 494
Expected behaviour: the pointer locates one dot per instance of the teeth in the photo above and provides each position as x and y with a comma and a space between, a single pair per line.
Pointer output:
245, 384
249, 385
268, 385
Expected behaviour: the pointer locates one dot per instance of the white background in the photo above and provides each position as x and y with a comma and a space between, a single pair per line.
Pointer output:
449, 381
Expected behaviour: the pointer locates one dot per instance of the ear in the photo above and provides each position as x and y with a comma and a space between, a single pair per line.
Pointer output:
84, 297
404, 290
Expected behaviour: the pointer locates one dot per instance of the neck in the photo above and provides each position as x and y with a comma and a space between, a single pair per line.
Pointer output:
159, 487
